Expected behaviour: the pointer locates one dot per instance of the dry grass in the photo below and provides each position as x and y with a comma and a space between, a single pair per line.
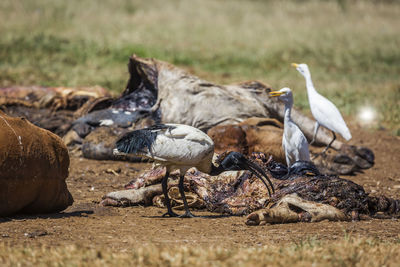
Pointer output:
345, 252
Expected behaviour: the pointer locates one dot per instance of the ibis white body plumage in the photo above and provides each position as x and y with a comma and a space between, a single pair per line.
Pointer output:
181, 147
294, 142
178, 146
324, 111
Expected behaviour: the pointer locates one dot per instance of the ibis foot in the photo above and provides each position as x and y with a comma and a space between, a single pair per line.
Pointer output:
187, 214
170, 214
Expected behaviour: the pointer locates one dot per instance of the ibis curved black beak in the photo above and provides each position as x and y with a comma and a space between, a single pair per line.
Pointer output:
254, 168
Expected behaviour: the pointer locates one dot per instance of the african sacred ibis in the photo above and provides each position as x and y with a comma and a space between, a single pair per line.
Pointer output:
294, 142
323, 110
178, 146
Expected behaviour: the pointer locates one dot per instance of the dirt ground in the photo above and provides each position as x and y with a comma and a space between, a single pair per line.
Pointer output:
89, 225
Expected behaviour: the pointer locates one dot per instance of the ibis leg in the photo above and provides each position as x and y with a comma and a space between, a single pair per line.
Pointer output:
187, 214
167, 200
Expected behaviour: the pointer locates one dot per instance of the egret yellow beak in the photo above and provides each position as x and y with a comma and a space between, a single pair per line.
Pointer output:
275, 93
295, 65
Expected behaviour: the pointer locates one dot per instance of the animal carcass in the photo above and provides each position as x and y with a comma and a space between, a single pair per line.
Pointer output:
33, 167
301, 195
52, 108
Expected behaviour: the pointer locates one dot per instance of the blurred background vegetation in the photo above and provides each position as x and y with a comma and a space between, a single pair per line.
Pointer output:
351, 47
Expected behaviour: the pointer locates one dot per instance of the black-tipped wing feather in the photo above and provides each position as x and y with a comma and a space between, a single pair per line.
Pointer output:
136, 142
140, 141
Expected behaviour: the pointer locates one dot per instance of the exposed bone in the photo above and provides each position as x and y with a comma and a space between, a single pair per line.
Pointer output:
292, 208
193, 200
151, 194
130, 197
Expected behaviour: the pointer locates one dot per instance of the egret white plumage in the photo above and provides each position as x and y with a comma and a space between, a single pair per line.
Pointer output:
178, 146
294, 142
323, 110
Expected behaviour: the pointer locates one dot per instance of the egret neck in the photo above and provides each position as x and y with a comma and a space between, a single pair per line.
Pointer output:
288, 110
310, 85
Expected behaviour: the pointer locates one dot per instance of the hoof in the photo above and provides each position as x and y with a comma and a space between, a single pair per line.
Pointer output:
366, 154
253, 219
364, 157
110, 202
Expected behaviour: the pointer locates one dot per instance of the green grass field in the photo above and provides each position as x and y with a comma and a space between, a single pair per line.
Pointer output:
352, 47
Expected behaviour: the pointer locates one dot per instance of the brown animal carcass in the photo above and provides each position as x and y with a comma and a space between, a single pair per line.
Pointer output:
33, 167
52, 108
252, 135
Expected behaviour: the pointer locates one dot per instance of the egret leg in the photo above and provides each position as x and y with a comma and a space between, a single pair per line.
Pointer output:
167, 200
187, 214
316, 127
329, 145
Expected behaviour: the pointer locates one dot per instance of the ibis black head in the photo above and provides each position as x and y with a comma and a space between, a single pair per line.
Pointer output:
235, 161
232, 161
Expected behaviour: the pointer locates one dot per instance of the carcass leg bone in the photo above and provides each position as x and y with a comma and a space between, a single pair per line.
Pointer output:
292, 208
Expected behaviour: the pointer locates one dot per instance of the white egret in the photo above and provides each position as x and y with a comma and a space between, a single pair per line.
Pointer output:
294, 142
323, 110
178, 146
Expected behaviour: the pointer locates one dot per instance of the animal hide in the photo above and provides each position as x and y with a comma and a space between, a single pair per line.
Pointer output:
53, 98
33, 167
52, 108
